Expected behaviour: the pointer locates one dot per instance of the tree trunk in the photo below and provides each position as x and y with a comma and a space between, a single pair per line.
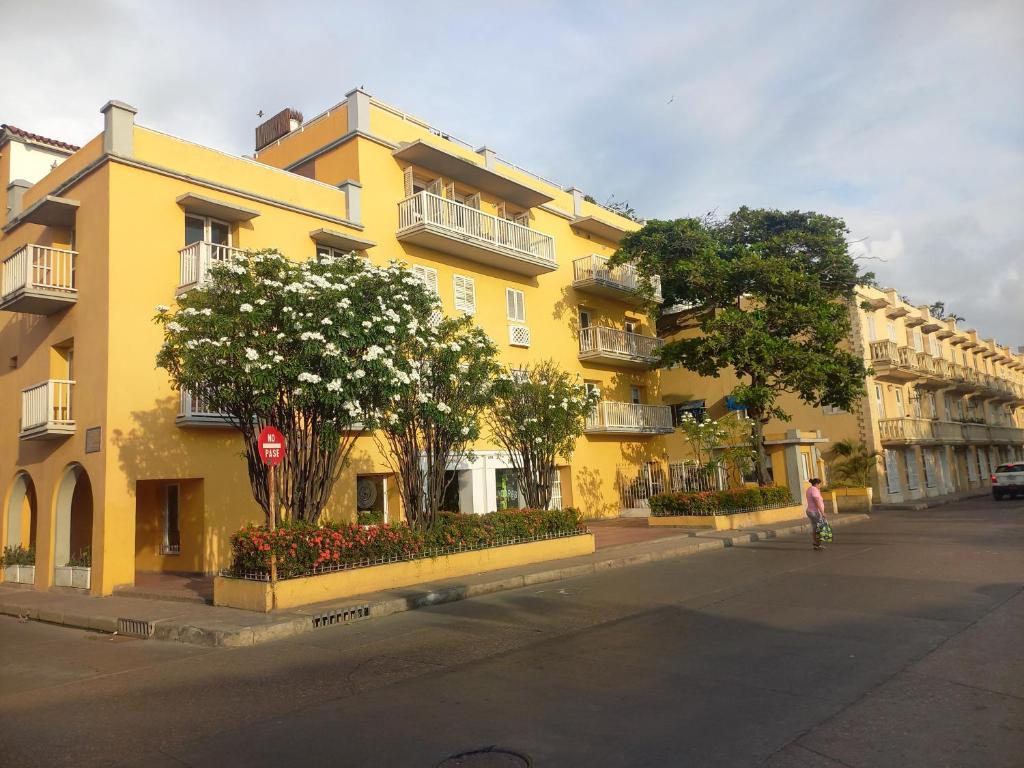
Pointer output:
760, 457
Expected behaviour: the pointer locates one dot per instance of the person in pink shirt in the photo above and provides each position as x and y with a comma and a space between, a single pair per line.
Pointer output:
815, 510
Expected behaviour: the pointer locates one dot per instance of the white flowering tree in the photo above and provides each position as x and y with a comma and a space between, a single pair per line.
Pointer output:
719, 443
538, 414
438, 416
317, 349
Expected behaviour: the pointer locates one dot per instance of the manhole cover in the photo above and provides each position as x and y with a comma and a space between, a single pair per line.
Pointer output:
488, 757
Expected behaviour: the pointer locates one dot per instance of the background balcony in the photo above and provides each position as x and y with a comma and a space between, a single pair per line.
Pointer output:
38, 280
444, 225
892, 362
196, 259
629, 418
610, 345
908, 430
1006, 434
592, 275
46, 411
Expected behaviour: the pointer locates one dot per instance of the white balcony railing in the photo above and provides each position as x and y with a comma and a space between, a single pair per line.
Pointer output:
624, 277
636, 418
39, 267
598, 340
47, 405
196, 259
426, 208
194, 411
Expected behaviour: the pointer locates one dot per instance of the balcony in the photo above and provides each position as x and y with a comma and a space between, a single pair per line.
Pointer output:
610, 417
932, 371
444, 225
46, 411
1006, 434
906, 430
196, 259
194, 412
39, 280
893, 363
592, 275
977, 433
609, 345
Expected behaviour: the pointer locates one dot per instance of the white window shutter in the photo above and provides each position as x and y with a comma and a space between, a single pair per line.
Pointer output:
428, 276
465, 294
499, 210
473, 201
515, 305
407, 181
434, 187
523, 219
449, 190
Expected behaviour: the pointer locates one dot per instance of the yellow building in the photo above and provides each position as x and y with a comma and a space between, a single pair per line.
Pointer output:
942, 407
98, 451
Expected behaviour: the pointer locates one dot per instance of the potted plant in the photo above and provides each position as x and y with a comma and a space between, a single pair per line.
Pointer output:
19, 564
81, 569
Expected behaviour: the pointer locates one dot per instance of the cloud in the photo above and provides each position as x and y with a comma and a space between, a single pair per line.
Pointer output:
903, 117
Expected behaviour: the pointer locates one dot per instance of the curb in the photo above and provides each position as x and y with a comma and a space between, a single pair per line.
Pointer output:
222, 634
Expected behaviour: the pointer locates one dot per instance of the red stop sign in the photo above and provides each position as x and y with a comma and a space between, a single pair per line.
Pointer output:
271, 445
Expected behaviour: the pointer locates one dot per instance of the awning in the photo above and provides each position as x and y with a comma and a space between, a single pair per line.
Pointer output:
51, 211
599, 227
218, 209
332, 238
458, 168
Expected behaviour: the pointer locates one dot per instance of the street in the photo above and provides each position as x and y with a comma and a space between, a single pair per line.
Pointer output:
901, 645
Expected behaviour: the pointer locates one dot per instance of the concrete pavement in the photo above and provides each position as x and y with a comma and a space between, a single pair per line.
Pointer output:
620, 544
899, 646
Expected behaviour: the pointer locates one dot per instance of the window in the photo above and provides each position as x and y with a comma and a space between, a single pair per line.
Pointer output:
636, 395
465, 294
910, 459
515, 304
892, 472
630, 326
506, 489
172, 535
427, 276
694, 409
936, 346
805, 467
918, 342
899, 403
584, 319
451, 498
880, 401
205, 229
556, 490
872, 329
915, 404
325, 252
592, 386
892, 331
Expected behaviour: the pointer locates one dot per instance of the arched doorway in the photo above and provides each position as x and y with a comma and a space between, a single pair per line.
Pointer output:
72, 556
21, 529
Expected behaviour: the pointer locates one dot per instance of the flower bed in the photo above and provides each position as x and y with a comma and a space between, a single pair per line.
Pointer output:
305, 550
719, 502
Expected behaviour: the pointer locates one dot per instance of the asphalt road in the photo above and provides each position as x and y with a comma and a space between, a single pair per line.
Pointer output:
902, 645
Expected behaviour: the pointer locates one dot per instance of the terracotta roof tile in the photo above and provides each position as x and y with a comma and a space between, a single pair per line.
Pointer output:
41, 139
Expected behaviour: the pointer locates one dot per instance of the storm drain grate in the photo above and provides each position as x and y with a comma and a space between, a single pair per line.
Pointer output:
135, 628
341, 616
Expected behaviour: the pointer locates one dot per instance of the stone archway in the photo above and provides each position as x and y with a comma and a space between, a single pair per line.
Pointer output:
73, 536
21, 512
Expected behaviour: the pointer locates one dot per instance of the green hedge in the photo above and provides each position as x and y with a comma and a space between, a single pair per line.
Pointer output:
303, 549
719, 502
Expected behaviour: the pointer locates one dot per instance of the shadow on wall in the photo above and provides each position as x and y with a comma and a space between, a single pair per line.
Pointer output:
155, 449
590, 495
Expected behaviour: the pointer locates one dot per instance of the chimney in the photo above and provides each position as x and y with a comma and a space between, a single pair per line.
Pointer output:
281, 124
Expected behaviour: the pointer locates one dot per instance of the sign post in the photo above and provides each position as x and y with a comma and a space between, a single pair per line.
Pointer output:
271, 448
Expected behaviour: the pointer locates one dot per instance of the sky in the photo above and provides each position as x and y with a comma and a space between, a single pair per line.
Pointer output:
904, 118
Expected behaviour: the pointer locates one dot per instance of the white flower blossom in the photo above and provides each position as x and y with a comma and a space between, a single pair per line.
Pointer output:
251, 354
311, 378
245, 308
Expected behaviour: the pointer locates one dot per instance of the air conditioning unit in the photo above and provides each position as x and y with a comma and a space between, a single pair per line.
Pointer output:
519, 335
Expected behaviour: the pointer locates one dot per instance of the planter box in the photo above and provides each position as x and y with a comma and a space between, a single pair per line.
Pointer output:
290, 593
854, 499
726, 522
20, 574
81, 577
62, 576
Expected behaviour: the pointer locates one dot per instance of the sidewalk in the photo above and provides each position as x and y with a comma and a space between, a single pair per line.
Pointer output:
201, 624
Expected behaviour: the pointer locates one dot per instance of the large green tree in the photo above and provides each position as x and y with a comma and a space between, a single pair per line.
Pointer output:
769, 295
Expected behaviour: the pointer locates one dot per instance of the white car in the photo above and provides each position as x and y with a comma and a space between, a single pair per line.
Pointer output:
1008, 480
